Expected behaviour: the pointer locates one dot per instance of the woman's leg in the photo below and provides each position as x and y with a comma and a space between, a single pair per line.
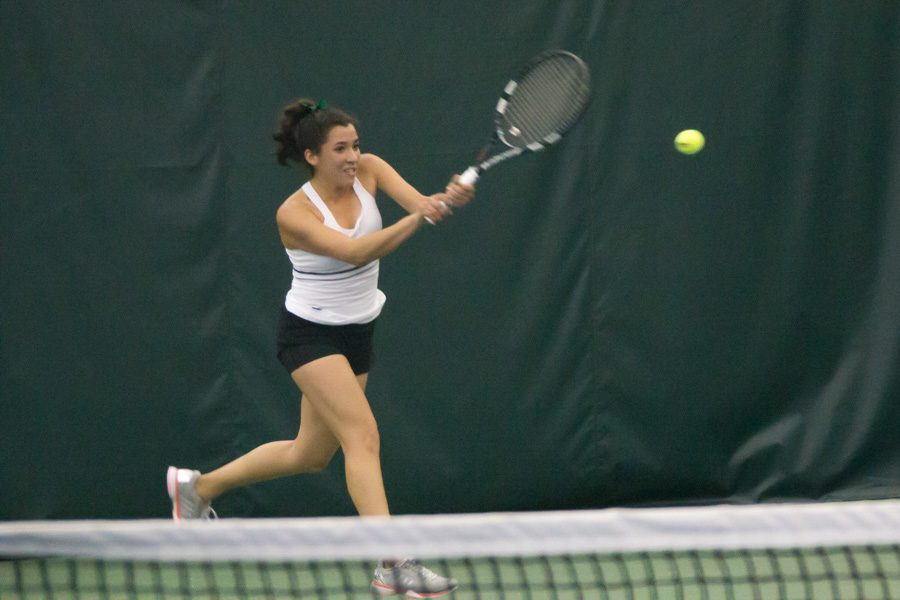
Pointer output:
337, 395
311, 451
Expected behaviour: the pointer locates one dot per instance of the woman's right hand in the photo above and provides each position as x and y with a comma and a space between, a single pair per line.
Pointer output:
436, 208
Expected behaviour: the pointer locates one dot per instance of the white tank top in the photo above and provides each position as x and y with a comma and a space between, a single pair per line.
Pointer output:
327, 290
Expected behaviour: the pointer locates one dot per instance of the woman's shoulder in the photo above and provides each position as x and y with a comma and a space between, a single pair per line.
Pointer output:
367, 159
296, 205
297, 199
370, 166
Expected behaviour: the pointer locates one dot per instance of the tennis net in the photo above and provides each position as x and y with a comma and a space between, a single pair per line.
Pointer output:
845, 550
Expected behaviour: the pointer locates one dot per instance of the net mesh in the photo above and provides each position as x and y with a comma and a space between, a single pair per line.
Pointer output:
547, 100
832, 551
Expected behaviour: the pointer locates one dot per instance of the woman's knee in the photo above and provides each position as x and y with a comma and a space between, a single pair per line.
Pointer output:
363, 438
318, 463
306, 460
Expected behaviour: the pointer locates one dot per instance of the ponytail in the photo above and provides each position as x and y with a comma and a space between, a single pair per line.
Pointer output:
305, 125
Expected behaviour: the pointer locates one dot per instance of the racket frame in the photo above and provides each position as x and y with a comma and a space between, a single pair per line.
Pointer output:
471, 175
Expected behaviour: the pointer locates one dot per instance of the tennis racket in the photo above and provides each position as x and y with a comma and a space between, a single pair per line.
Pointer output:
535, 109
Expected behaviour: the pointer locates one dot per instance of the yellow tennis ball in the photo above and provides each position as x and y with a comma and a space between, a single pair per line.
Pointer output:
689, 141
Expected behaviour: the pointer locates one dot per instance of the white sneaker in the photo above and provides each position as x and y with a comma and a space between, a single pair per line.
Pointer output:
186, 504
411, 579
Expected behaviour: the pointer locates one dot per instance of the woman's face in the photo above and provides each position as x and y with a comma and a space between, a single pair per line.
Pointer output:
338, 158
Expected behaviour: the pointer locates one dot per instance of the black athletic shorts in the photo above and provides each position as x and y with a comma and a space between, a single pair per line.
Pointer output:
301, 341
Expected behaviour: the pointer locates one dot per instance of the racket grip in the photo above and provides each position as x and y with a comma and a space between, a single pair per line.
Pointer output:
469, 176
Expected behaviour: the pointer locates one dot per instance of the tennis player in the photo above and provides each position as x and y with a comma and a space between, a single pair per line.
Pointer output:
332, 231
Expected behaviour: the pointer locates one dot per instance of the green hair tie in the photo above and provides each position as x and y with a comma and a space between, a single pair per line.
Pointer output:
320, 106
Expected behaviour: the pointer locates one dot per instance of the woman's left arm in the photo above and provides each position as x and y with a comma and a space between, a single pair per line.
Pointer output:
392, 183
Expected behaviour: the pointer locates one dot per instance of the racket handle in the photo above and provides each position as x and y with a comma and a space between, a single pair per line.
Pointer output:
445, 205
469, 176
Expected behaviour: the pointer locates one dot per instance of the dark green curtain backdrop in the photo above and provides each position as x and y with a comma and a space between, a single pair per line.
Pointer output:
611, 323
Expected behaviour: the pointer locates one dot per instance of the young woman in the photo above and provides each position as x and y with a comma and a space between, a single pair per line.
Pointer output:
332, 231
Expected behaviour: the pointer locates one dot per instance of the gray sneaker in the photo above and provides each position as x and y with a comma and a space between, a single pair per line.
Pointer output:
186, 504
412, 580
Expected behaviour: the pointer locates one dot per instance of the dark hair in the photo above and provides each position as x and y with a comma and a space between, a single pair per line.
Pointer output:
304, 126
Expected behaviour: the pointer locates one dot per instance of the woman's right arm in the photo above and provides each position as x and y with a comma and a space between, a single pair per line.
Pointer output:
299, 228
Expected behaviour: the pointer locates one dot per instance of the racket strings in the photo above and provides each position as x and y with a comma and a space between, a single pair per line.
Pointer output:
547, 100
